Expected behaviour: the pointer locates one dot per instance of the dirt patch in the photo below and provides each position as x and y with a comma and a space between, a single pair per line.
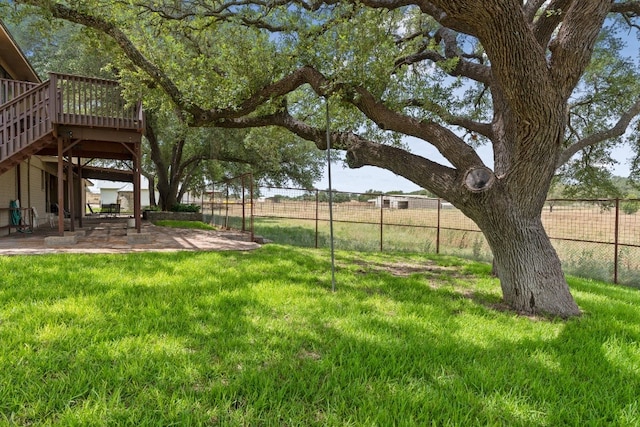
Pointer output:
435, 272
403, 269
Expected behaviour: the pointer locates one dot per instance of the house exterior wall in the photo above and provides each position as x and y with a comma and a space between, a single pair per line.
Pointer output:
35, 176
108, 195
126, 199
7, 193
420, 203
32, 190
405, 202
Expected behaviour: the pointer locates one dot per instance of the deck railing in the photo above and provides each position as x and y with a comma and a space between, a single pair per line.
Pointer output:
24, 120
86, 101
10, 89
62, 100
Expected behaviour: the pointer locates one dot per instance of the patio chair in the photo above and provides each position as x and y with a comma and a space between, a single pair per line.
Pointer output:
16, 218
55, 209
35, 218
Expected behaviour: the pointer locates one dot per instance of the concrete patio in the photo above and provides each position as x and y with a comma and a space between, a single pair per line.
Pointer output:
111, 235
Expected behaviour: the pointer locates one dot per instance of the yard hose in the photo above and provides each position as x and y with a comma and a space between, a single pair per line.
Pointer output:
16, 218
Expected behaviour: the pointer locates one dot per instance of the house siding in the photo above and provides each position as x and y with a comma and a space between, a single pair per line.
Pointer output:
7, 193
33, 190
34, 193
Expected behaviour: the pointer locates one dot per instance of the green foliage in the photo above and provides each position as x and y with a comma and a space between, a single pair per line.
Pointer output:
218, 61
609, 87
193, 157
198, 225
157, 339
60, 47
183, 207
336, 196
588, 181
630, 207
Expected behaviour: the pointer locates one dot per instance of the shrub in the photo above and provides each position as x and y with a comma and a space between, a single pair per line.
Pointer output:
630, 207
181, 207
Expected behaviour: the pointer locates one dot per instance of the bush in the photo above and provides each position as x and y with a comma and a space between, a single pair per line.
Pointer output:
181, 207
630, 207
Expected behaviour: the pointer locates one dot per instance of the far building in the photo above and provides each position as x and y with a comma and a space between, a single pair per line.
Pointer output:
408, 202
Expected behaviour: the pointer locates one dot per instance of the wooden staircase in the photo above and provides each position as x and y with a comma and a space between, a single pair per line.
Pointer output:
33, 116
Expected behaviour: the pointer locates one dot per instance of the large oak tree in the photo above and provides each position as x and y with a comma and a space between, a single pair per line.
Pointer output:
454, 74
176, 159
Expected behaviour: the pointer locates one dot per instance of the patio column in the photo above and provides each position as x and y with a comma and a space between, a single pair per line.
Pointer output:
80, 195
136, 186
60, 186
72, 209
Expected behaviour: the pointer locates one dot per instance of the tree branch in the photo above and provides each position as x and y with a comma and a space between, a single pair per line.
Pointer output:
627, 7
572, 48
450, 145
548, 22
63, 12
484, 129
478, 72
361, 152
530, 9
617, 130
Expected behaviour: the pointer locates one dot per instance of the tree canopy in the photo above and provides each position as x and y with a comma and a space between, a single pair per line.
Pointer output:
176, 158
545, 83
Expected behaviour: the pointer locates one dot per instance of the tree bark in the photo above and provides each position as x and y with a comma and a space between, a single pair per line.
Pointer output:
152, 191
528, 266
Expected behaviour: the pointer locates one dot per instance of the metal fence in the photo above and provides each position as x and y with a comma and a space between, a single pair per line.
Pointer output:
597, 239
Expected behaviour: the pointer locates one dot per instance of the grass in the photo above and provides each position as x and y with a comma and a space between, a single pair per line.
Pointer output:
584, 259
258, 338
199, 225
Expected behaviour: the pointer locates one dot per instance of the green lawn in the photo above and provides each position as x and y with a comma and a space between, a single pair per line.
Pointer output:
199, 225
258, 339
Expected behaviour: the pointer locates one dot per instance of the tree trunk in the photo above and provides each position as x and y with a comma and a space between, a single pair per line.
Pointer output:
152, 191
167, 193
528, 266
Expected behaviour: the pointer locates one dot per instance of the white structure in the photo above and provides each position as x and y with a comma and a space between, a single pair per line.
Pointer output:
405, 202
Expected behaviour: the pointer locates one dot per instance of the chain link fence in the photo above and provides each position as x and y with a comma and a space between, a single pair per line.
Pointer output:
597, 239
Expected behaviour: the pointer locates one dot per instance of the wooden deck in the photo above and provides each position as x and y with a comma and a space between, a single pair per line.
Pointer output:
88, 112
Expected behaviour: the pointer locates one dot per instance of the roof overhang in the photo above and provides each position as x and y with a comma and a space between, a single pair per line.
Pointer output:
95, 172
105, 174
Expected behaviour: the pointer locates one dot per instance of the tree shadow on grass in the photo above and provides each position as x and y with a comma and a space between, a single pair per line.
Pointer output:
429, 362
257, 339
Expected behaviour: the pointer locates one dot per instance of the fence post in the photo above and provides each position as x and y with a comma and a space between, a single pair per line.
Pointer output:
244, 228
381, 219
438, 227
226, 204
317, 213
213, 201
251, 224
616, 241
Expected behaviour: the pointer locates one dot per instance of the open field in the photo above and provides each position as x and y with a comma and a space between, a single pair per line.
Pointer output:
259, 339
588, 237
